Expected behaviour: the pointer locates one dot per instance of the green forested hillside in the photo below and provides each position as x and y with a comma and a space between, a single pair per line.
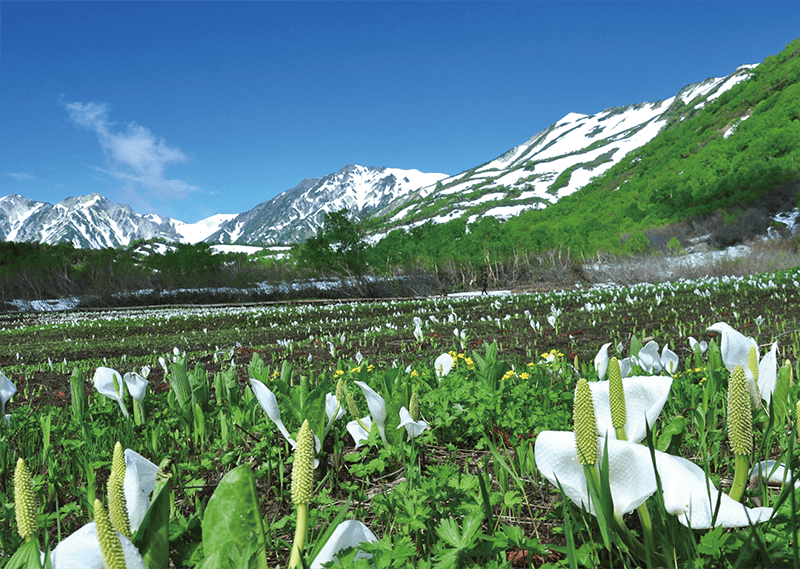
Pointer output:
740, 150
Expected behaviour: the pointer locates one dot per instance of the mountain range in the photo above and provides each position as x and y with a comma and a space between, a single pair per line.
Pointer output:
552, 164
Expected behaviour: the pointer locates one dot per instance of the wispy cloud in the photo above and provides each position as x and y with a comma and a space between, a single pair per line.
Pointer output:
134, 155
21, 176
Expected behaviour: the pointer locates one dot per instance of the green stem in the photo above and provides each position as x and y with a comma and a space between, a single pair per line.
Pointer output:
299, 535
742, 465
362, 425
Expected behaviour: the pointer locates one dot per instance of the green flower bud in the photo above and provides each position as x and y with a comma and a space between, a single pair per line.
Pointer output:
585, 424
340, 391
616, 394
752, 362
110, 544
25, 505
303, 467
740, 414
117, 507
351, 405
413, 407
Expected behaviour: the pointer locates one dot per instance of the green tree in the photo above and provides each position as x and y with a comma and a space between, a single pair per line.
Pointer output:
339, 246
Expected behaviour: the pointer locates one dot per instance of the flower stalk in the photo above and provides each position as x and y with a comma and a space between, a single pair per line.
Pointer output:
302, 488
110, 545
740, 430
25, 506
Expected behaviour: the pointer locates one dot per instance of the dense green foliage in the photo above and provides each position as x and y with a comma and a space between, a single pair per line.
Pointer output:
466, 492
34, 271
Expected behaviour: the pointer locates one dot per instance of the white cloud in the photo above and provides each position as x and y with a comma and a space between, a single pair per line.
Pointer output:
134, 155
21, 176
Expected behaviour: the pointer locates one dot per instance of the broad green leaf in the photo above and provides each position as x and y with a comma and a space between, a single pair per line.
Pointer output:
780, 397
674, 429
233, 517
180, 384
152, 537
26, 557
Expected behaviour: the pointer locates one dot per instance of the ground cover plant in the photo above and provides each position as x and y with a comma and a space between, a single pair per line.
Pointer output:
428, 421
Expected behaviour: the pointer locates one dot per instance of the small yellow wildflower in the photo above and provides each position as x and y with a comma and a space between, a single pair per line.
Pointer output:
524, 375
509, 374
453, 354
370, 367
338, 373
414, 373
355, 369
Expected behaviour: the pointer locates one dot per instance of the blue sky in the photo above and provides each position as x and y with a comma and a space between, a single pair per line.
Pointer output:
189, 109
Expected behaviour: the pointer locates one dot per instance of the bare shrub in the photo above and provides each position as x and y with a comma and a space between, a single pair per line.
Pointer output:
756, 256
753, 222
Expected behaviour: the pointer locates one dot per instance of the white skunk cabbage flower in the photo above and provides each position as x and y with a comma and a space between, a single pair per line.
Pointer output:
109, 382
735, 348
269, 403
413, 428
139, 483
7, 391
350, 533
443, 365
601, 361
687, 492
645, 396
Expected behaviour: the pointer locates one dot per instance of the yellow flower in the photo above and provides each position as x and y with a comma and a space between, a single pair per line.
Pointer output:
355, 369
510, 373
524, 375
338, 373
370, 367
414, 373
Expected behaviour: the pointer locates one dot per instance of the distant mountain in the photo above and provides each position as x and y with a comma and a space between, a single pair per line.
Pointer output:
555, 162
297, 214
94, 222
85, 221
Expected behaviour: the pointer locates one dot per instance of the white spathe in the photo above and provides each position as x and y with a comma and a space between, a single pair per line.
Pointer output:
735, 349
7, 391
630, 480
413, 428
81, 550
137, 385
601, 361
105, 380
269, 403
377, 407
139, 483
645, 396
350, 533
359, 434
443, 365
687, 492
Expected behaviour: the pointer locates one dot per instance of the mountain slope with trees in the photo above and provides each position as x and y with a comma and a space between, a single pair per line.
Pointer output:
723, 168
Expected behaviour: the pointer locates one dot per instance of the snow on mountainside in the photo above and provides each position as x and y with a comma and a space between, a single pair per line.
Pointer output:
297, 214
85, 221
554, 163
